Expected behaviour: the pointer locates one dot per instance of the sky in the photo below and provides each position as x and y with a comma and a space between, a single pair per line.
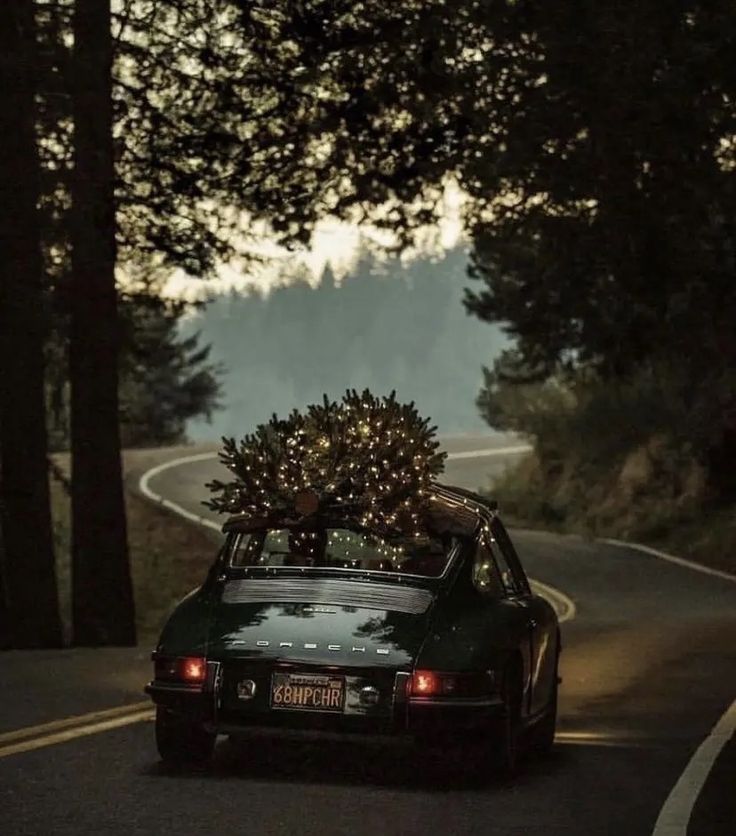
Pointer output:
259, 360
335, 243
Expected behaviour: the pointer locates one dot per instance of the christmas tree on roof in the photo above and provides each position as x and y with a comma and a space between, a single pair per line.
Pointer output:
367, 460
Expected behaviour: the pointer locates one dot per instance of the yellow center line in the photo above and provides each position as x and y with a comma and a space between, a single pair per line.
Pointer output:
77, 720
50, 739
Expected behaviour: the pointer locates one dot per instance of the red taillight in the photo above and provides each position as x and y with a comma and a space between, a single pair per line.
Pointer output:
189, 669
193, 669
437, 684
424, 683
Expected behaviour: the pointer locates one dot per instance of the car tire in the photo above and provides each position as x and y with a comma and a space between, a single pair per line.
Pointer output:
181, 741
506, 744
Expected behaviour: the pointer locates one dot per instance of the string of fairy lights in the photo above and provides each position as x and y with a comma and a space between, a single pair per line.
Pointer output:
367, 459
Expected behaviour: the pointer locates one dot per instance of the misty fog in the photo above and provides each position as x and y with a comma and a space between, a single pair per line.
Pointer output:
386, 325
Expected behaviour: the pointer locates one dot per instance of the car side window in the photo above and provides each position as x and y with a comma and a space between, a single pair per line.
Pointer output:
505, 572
485, 574
511, 558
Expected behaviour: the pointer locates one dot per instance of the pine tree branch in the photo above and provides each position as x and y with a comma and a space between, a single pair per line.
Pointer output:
368, 460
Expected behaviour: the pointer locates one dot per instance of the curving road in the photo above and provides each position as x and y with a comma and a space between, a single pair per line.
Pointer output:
649, 667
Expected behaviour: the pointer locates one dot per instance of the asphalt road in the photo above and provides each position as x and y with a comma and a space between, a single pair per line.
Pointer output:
649, 666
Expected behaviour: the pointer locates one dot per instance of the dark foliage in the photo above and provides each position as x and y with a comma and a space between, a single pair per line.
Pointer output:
600, 142
616, 242
165, 379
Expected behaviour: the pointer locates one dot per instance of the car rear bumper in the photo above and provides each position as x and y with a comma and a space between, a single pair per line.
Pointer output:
433, 719
188, 700
423, 719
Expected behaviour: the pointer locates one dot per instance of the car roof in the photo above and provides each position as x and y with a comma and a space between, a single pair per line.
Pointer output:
452, 510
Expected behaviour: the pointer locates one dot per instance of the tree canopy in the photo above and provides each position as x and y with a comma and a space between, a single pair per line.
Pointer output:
595, 145
617, 241
166, 376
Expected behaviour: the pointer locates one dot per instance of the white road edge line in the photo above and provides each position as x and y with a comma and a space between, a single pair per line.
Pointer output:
563, 605
145, 489
490, 451
675, 814
670, 558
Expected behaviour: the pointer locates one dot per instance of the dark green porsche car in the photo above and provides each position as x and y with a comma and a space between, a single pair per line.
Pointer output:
324, 627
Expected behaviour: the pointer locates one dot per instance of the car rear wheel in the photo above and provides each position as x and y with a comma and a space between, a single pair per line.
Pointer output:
507, 738
182, 741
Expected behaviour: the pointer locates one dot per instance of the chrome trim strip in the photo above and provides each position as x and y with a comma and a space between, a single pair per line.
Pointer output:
406, 598
211, 678
457, 702
171, 688
217, 692
399, 702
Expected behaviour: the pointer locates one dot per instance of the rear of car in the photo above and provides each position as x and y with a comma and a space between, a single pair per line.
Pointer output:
319, 630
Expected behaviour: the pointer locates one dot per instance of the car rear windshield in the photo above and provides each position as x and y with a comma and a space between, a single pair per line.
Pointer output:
341, 548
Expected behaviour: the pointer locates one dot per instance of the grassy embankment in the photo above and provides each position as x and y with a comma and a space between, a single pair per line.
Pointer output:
628, 461
618, 505
169, 557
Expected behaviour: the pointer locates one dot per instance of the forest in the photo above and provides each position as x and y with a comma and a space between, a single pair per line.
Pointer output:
386, 325
596, 152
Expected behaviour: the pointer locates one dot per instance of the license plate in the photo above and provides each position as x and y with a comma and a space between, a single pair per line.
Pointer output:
307, 692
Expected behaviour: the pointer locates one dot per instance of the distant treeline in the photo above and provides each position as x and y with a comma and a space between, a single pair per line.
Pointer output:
387, 325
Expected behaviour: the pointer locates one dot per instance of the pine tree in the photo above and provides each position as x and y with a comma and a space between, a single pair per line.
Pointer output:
366, 459
166, 379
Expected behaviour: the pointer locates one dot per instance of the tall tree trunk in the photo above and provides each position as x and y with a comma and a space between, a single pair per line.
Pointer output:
28, 585
5, 636
102, 595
